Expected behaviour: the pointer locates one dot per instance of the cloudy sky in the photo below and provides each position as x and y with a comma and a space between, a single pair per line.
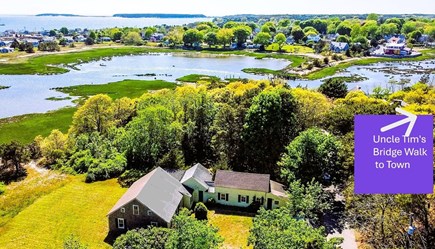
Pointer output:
218, 7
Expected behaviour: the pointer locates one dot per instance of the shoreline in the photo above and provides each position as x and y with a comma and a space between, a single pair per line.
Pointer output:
46, 63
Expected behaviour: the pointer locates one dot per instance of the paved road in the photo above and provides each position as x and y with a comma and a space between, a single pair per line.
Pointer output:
335, 224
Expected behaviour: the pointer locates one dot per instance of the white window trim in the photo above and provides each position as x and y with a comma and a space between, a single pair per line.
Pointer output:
224, 196
119, 223
135, 207
154, 223
150, 213
122, 210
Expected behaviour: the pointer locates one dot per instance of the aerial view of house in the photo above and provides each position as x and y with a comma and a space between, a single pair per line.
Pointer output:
156, 197
217, 124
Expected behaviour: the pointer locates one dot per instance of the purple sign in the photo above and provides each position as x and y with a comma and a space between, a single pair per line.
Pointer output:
394, 154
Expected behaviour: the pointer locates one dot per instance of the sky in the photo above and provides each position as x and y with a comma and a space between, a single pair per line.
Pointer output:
219, 7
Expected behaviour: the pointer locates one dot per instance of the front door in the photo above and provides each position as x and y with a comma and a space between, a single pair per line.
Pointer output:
201, 196
269, 203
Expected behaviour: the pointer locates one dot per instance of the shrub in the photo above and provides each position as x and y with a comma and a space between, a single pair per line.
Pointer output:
326, 60
105, 169
200, 211
72, 242
2, 188
317, 63
49, 46
89, 41
129, 177
334, 88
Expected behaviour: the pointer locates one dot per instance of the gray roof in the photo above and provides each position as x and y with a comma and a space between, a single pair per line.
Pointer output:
277, 189
199, 173
176, 173
158, 191
240, 180
340, 45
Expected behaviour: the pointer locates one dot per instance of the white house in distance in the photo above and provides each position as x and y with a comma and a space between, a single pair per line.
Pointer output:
156, 197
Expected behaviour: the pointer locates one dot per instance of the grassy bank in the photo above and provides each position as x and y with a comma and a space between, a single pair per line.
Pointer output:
57, 63
265, 71
76, 208
198, 77
26, 127
49, 64
116, 90
427, 54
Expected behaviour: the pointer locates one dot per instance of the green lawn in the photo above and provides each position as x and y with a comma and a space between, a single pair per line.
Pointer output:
25, 128
290, 48
77, 208
233, 228
116, 90
22, 194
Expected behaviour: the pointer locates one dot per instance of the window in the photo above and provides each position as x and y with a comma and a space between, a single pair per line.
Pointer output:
150, 213
243, 198
154, 224
223, 197
135, 210
122, 210
276, 202
121, 224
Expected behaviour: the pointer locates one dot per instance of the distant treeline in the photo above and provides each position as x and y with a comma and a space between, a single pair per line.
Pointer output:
303, 17
54, 14
160, 15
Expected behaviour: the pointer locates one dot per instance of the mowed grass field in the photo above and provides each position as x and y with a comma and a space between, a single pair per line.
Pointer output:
233, 228
76, 208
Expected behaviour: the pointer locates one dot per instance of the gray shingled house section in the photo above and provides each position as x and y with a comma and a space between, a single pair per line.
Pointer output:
158, 191
277, 189
176, 173
200, 173
241, 180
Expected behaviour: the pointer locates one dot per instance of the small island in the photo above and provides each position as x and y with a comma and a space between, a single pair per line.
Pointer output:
160, 15
4, 87
57, 14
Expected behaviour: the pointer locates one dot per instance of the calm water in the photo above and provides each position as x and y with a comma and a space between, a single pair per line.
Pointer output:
379, 74
28, 93
35, 23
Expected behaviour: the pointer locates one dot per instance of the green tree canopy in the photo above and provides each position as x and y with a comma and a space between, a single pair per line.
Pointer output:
241, 33
279, 229
192, 233
262, 38
280, 39
313, 154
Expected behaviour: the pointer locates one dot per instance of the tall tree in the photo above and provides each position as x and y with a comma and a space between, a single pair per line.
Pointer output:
280, 39
314, 154
241, 33
225, 36
270, 124
96, 114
